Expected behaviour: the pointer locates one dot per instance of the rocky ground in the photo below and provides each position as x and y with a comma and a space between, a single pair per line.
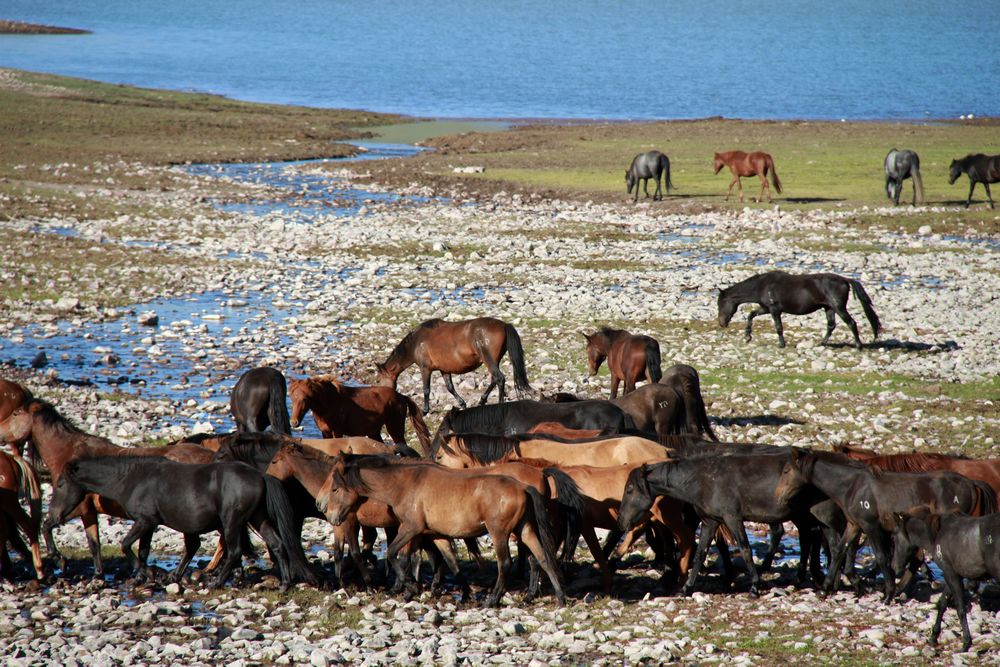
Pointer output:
320, 291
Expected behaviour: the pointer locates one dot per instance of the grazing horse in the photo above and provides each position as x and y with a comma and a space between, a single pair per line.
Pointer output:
748, 164
899, 166
777, 292
192, 499
471, 450
980, 168
58, 442
341, 410
12, 396
724, 490
630, 357
869, 498
258, 401
457, 347
645, 166
429, 500
16, 475
963, 547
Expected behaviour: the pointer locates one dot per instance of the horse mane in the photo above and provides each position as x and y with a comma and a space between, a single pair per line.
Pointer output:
306, 452
50, 418
680, 442
328, 379
248, 447
478, 419
353, 465
744, 286
484, 449
915, 462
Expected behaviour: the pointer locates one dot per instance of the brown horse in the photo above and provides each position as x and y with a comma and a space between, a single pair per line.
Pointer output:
557, 430
430, 500
630, 357
984, 470
457, 347
12, 396
474, 450
16, 475
58, 442
341, 410
748, 164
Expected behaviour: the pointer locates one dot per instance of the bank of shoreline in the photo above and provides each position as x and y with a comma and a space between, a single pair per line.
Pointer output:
12, 27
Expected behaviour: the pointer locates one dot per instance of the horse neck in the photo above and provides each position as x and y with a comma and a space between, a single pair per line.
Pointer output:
110, 478
400, 359
58, 442
310, 474
834, 479
383, 484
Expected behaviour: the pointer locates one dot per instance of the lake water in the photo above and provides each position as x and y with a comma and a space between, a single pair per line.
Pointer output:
528, 59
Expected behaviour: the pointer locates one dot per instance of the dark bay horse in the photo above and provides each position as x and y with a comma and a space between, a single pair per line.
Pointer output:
963, 547
57, 442
777, 292
979, 168
192, 499
687, 383
748, 164
457, 347
630, 357
430, 500
899, 166
869, 498
645, 166
341, 410
258, 401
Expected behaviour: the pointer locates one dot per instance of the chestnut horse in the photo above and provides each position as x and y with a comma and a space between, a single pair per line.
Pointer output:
473, 450
12, 396
748, 164
630, 357
457, 347
341, 410
58, 442
17, 475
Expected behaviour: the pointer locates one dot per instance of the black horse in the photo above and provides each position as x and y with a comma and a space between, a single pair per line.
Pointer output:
192, 499
726, 490
777, 292
645, 166
979, 168
962, 546
259, 400
899, 166
515, 417
869, 498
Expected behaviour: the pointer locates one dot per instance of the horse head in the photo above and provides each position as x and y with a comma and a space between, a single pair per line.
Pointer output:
636, 499
915, 529
727, 308
719, 164
596, 354
383, 377
298, 391
17, 426
630, 180
954, 171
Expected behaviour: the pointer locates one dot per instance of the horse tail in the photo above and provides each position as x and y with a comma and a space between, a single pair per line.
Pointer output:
571, 504
694, 403
861, 295
277, 407
281, 514
918, 182
540, 517
774, 175
516, 353
418, 423
666, 174
653, 370
986, 499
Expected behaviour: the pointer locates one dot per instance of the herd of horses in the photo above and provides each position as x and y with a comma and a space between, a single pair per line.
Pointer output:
541, 473
899, 165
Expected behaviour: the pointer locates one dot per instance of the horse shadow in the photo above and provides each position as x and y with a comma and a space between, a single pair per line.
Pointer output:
812, 200
904, 346
757, 420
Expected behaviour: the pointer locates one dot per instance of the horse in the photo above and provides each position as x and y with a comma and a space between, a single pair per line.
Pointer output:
724, 490
12, 396
869, 497
192, 499
748, 164
341, 410
630, 357
687, 383
985, 470
557, 430
963, 547
17, 476
457, 347
979, 168
899, 166
429, 500
258, 401
652, 164
777, 292
520, 416
471, 450
57, 441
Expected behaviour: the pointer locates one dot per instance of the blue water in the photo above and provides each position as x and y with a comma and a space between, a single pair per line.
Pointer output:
554, 59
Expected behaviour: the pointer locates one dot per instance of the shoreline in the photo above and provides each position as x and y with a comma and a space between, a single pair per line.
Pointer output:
14, 27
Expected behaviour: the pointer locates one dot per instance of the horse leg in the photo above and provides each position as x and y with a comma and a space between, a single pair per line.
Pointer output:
708, 529
425, 378
658, 195
590, 537
93, 541
399, 544
615, 380
837, 557
729, 192
739, 184
192, 542
831, 323
645, 187
989, 195
776, 533
139, 529
501, 544
972, 186
739, 531
496, 377
846, 316
760, 310
232, 536
776, 316
764, 186
451, 389
530, 539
